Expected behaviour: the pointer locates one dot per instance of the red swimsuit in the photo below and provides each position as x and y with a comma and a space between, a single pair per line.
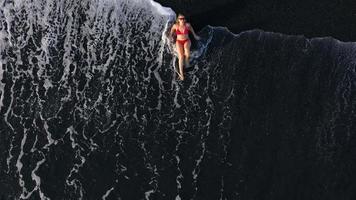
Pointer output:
185, 31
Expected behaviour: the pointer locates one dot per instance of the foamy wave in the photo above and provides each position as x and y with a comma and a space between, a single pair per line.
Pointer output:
161, 9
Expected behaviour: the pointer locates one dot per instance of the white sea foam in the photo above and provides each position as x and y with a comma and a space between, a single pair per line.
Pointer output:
161, 9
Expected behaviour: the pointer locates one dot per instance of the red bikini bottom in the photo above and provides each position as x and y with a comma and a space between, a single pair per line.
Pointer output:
182, 42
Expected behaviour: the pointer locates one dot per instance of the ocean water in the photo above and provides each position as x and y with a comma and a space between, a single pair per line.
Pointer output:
91, 108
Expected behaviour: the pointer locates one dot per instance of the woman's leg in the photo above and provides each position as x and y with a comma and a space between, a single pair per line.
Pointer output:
180, 50
187, 52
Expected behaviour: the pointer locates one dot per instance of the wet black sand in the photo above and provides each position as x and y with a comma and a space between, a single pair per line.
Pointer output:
319, 18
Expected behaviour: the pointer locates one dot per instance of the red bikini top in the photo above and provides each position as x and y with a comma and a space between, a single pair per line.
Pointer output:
185, 31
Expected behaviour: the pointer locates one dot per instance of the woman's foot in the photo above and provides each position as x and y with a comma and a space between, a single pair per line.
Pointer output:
180, 76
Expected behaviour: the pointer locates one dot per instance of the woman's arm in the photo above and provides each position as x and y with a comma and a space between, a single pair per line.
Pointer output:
172, 31
194, 34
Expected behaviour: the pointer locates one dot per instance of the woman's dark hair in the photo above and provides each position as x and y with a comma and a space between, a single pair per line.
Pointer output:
179, 14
